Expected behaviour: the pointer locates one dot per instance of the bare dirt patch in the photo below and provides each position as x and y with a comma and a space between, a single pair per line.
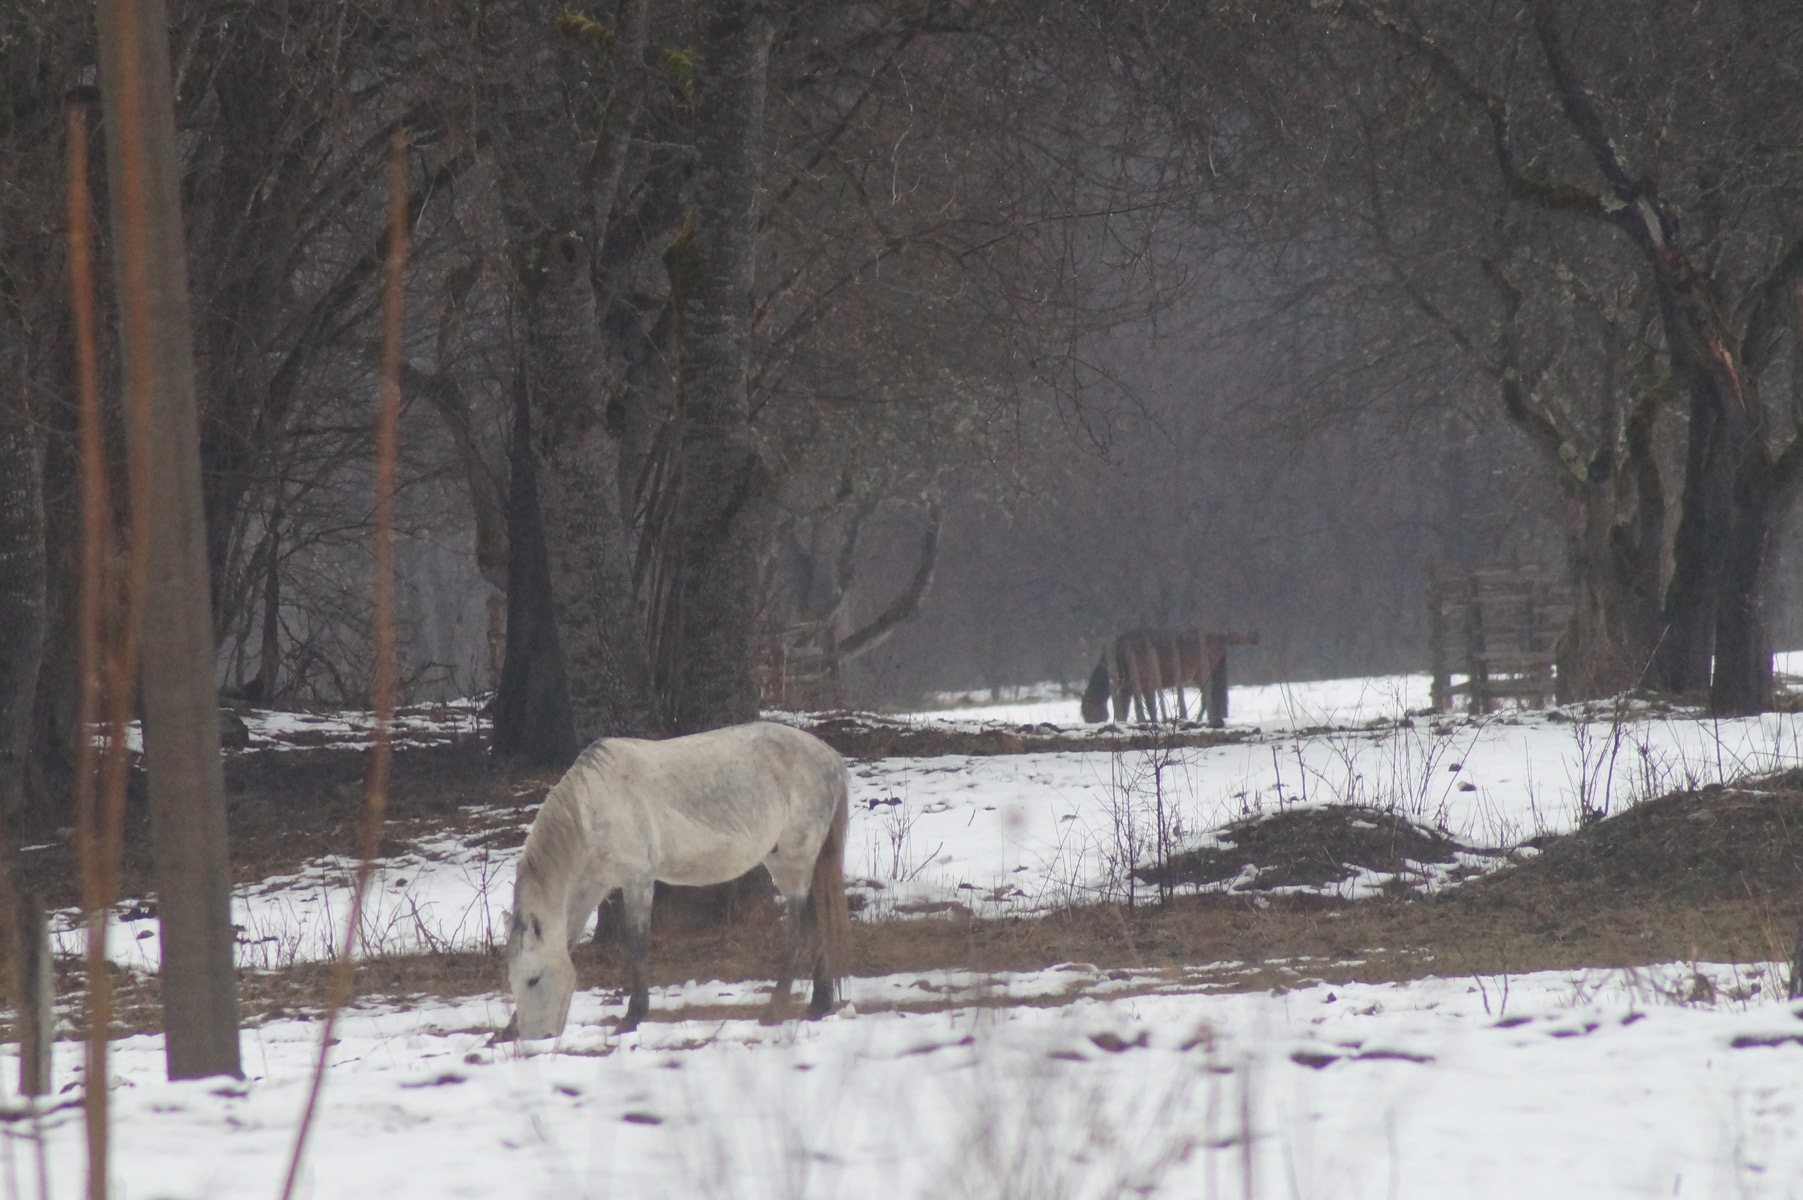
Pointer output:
1312, 847
1719, 843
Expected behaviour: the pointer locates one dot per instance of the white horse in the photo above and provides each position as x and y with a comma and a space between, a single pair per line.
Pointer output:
701, 809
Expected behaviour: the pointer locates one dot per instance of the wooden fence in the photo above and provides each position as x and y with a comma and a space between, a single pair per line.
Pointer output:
1500, 627
798, 668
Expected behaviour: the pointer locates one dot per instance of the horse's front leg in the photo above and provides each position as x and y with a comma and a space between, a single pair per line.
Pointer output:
636, 902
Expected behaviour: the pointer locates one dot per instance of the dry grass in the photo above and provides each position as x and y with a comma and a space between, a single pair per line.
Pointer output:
864, 736
1709, 875
289, 807
1481, 930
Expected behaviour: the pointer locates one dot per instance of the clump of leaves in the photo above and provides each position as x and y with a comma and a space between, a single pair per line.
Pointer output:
583, 29
679, 69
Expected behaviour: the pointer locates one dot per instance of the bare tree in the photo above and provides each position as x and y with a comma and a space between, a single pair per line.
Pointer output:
1654, 131
181, 723
709, 551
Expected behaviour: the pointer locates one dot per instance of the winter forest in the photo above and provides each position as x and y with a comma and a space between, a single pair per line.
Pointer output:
865, 366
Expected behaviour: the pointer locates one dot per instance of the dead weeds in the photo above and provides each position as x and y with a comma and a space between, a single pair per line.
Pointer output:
1694, 876
287, 808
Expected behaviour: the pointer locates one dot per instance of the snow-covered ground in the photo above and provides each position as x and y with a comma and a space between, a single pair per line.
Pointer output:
1269, 706
1571, 1084
1068, 1082
1025, 832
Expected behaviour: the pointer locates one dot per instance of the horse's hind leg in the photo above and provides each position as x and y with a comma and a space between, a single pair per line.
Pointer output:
799, 921
791, 865
636, 901
826, 988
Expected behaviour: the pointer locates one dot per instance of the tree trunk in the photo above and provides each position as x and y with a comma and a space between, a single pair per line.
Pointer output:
577, 666
35, 993
1615, 564
1688, 642
532, 705
600, 628
269, 648
22, 591
22, 616
181, 716
1724, 530
707, 648
1742, 683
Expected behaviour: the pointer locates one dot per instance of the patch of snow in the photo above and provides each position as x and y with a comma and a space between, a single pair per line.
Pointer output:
1020, 833
1591, 1083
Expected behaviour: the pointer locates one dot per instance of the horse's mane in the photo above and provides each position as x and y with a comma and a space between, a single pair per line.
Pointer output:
555, 843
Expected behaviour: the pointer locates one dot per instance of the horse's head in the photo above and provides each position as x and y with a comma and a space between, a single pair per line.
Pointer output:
540, 973
1095, 696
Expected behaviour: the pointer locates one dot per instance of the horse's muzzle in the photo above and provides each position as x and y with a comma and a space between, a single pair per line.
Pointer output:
508, 1032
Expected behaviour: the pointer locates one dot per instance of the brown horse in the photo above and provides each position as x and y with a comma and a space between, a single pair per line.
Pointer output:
1142, 663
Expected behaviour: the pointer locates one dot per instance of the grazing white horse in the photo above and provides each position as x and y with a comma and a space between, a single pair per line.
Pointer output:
701, 809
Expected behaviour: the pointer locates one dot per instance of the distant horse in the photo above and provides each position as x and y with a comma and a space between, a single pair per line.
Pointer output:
701, 809
1142, 663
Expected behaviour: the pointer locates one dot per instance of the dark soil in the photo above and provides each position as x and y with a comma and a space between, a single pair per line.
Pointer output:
1312, 847
1694, 847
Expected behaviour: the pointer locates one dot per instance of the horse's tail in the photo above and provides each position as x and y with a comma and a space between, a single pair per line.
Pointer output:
832, 913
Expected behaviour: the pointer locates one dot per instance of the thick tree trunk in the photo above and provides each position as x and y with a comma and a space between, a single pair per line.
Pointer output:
181, 717
708, 649
577, 665
532, 705
1615, 564
1714, 636
22, 591
1742, 683
600, 628
1615, 630
1687, 644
